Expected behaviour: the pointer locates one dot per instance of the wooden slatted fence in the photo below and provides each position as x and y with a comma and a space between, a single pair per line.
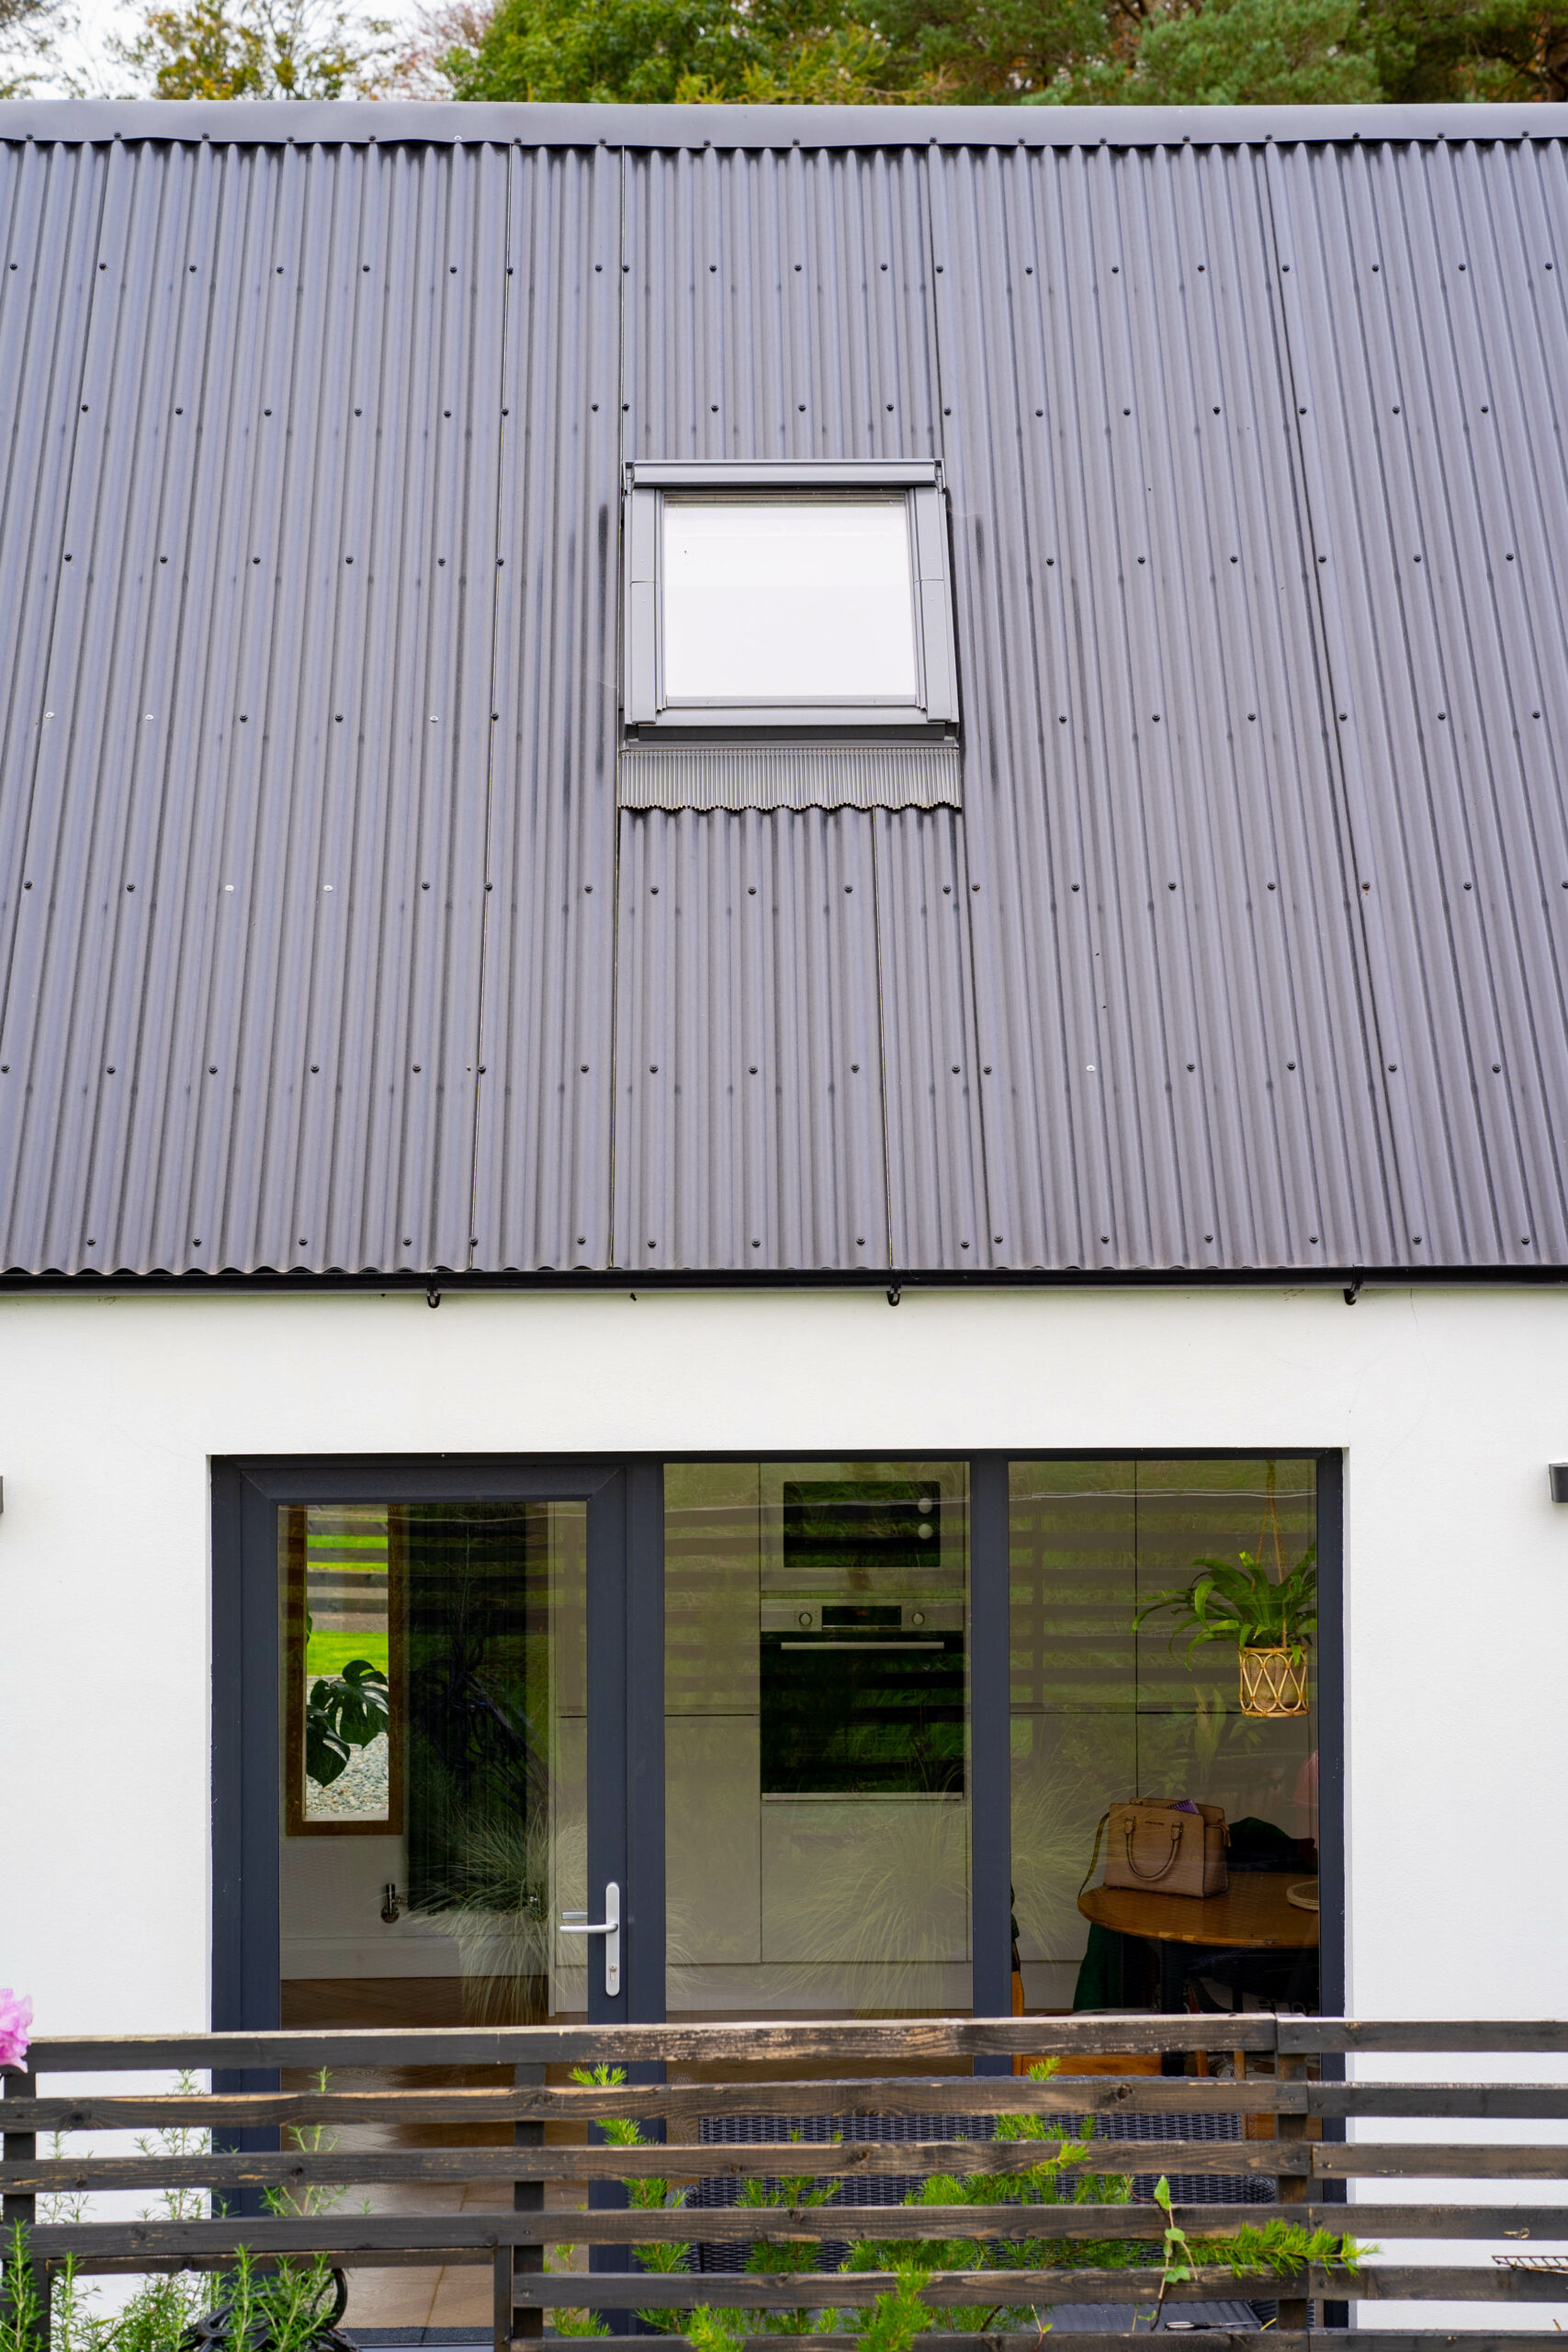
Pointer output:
1277, 2090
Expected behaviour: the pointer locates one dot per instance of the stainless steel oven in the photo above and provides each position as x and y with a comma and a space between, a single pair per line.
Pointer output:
862, 1651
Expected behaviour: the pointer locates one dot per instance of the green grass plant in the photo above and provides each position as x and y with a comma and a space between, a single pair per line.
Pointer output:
1278, 2249
284, 2309
329, 1651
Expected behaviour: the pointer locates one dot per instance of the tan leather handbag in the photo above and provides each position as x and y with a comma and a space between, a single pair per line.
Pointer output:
1160, 1845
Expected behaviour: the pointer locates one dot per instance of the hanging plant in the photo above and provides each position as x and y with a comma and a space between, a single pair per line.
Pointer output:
1269, 1622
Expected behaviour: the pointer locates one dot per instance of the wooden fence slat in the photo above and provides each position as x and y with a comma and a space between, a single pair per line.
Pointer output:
1074, 2340
1377, 2282
1494, 2102
346, 2234
1418, 2160
900, 2040
1030, 2340
862, 2095
1300, 2037
855, 2095
821, 2289
849, 2160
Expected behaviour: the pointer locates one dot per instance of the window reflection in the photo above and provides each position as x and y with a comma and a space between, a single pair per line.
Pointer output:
816, 1737
1101, 1714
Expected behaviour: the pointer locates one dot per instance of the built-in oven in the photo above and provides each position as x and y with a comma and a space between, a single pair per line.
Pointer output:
863, 1653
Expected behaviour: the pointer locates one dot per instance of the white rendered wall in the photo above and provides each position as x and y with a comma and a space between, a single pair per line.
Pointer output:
1449, 1405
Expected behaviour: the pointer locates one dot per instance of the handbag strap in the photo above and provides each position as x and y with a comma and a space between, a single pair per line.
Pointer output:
1152, 1877
1095, 1856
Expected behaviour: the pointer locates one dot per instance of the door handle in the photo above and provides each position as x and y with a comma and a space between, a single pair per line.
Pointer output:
609, 1927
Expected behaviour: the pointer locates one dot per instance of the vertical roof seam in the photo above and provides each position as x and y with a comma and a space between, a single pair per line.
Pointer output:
493, 682
1394, 1206
46, 661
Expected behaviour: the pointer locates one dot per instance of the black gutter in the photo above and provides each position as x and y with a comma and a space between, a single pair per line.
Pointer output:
1351, 1281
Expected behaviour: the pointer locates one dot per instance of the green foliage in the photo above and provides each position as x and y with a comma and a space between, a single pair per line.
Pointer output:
1282, 2249
1234, 52
645, 2195
1470, 50
254, 49
344, 1710
1244, 1605
286, 2309
778, 52
1004, 52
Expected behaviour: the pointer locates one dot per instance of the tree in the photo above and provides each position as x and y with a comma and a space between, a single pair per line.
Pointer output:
778, 52
254, 49
596, 51
25, 29
987, 53
1233, 53
1470, 49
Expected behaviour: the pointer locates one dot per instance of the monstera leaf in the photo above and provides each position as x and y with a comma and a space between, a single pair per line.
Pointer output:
325, 1754
344, 1712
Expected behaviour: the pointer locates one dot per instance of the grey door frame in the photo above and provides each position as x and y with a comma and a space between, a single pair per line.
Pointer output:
626, 1721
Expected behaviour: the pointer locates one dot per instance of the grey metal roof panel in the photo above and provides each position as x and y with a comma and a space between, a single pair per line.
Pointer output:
750, 1092
245, 982
1169, 986
778, 306
936, 1185
543, 1148
453, 1012
1427, 313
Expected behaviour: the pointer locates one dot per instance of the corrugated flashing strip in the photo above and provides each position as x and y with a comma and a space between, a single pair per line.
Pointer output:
383, 122
434, 1282
789, 776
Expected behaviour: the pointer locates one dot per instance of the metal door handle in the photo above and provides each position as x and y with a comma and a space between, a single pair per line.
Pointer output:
609, 1927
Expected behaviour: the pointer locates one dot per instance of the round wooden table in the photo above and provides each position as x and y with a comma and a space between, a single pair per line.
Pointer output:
1252, 1914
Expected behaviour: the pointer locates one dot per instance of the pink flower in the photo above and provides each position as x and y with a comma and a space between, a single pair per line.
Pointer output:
15, 2023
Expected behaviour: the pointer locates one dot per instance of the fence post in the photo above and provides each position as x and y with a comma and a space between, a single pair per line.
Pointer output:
21, 2147
1294, 2190
527, 2197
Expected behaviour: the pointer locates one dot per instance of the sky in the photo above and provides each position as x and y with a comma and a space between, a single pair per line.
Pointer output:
78, 51
79, 64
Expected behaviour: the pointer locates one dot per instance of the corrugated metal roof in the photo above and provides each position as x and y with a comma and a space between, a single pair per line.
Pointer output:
324, 945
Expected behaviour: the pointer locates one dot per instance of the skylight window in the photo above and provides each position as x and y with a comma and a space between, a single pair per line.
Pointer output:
772, 599
807, 602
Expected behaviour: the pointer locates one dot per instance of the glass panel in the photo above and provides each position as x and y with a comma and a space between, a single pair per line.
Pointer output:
817, 1738
433, 1810
788, 600
1102, 1713
345, 1736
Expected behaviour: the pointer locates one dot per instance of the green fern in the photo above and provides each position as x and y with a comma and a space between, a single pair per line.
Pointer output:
1243, 1605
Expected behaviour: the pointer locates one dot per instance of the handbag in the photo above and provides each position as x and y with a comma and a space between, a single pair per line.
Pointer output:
1157, 1846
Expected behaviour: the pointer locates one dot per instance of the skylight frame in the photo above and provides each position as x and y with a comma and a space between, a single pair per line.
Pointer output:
648, 710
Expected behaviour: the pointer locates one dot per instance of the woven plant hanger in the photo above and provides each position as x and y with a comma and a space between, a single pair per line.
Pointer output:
1273, 1681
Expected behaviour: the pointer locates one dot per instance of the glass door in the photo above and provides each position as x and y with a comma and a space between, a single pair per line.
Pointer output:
428, 1778
434, 1817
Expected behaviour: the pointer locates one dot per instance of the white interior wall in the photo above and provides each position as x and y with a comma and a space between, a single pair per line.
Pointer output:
1450, 1403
